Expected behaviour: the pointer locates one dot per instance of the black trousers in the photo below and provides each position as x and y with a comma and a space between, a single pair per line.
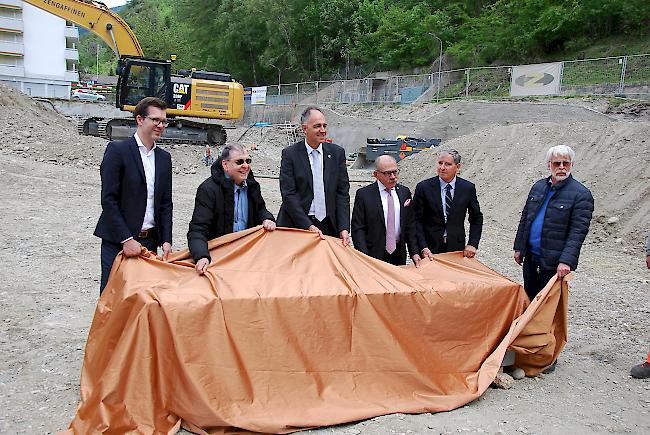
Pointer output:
109, 251
325, 226
535, 278
395, 258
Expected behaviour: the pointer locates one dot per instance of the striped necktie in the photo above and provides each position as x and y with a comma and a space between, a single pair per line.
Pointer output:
448, 201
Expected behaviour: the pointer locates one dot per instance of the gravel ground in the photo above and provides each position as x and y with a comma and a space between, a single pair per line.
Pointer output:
50, 288
50, 276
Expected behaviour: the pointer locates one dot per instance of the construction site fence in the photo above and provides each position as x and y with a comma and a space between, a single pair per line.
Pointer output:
626, 76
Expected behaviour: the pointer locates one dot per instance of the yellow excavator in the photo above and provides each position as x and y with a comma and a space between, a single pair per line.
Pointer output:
193, 94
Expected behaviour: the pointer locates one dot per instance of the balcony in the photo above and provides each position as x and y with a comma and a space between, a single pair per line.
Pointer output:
72, 76
72, 54
11, 24
13, 71
11, 4
12, 48
71, 32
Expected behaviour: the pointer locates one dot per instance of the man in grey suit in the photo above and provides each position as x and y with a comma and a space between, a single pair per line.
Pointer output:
314, 182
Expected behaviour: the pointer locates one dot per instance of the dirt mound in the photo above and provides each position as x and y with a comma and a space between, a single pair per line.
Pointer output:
32, 129
612, 160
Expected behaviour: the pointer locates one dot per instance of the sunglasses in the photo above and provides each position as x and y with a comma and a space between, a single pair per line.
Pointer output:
389, 173
240, 162
564, 163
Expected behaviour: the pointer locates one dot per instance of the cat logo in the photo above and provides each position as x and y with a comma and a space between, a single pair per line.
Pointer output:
534, 79
180, 88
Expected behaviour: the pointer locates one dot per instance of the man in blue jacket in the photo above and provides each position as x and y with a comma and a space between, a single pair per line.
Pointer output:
554, 223
136, 190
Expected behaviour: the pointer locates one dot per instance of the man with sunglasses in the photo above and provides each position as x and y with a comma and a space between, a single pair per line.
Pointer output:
554, 223
229, 201
136, 190
382, 219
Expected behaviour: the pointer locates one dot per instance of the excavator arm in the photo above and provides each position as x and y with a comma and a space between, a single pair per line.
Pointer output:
97, 18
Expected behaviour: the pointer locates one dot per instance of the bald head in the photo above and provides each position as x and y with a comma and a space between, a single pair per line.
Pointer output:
386, 171
383, 160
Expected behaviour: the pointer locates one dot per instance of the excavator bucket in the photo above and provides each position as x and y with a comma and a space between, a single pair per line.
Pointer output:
360, 162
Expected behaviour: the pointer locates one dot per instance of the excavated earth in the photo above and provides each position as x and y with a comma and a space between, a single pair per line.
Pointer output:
50, 263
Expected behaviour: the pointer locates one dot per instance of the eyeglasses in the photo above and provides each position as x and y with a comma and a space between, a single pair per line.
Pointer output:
564, 163
240, 162
158, 121
389, 173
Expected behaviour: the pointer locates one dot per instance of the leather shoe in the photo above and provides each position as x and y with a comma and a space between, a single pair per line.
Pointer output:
641, 371
550, 369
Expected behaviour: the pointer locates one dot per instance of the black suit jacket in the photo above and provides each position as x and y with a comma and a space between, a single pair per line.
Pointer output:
369, 225
296, 187
124, 193
430, 218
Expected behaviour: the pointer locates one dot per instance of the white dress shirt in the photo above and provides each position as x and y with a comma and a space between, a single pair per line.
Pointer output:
310, 150
149, 164
384, 204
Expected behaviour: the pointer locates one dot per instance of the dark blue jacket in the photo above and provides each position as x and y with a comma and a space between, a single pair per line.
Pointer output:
566, 222
124, 193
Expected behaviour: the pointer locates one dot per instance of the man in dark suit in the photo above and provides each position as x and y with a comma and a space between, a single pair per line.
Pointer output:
441, 204
314, 182
382, 219
136, 190
229, 201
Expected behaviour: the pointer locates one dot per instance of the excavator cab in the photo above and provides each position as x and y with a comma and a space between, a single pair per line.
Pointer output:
139, 78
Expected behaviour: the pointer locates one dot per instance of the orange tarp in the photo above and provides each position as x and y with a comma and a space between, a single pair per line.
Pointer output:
288, 331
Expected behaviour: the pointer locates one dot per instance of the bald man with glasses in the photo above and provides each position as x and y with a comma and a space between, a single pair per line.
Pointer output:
382, 218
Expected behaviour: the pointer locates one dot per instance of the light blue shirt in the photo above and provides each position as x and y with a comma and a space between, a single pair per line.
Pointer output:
240, 221
443, 186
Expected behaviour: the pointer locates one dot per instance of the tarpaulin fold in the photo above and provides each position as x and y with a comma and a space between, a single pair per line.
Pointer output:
288, 330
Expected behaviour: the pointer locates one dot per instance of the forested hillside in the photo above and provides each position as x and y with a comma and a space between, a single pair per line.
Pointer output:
307, 39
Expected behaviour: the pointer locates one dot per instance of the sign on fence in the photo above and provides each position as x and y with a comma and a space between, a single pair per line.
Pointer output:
258, 95
538, 79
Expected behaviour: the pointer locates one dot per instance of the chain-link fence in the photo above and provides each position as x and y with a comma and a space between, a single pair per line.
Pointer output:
610, 76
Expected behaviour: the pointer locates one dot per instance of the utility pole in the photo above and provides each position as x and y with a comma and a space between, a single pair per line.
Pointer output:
97, 78
439, 66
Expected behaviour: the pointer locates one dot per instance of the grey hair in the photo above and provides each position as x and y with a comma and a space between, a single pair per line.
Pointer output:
225, 153
307, 112
453, 153
560, 150
381, 157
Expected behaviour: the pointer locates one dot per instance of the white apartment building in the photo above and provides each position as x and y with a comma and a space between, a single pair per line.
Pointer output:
38, 51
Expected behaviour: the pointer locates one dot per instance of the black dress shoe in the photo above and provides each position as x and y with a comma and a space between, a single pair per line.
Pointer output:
550, 369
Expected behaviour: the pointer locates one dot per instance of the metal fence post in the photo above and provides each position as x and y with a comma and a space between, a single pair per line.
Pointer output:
467, 83
316, 92
621, 82
397, 95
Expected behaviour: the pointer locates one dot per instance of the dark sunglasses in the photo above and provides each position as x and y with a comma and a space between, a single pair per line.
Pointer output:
240, 162
565, 163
